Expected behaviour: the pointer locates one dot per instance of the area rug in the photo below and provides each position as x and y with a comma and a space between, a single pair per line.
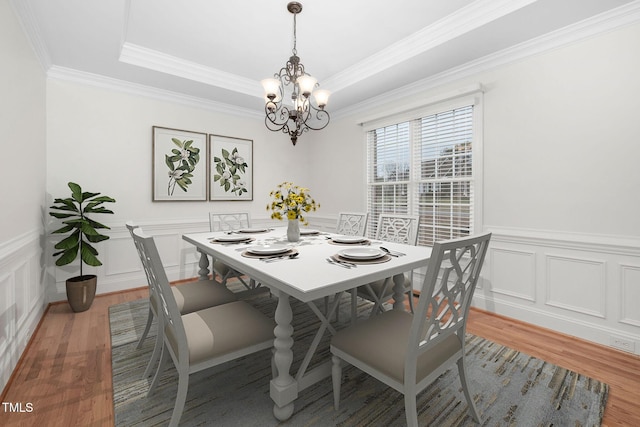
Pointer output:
510, 388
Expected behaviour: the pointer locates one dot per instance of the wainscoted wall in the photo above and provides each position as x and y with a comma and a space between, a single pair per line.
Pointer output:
22, 297
581, 285
585, 286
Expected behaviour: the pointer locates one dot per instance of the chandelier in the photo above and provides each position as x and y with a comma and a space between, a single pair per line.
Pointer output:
294, 83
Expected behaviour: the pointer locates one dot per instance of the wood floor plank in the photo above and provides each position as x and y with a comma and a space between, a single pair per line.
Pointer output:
65, 373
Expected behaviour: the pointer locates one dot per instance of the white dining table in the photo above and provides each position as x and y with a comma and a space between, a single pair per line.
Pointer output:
308, 277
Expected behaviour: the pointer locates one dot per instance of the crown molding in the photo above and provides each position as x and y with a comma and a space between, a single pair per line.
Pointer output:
605, 22
24, 12
154, 60
608, 21
96, 80
466, 19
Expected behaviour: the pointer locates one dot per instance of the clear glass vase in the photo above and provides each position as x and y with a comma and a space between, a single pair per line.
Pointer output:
293, 230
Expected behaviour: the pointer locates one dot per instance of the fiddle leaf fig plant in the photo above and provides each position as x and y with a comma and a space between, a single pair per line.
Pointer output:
83, 231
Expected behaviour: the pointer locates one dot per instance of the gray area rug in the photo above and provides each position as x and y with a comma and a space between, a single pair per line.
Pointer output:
510, 388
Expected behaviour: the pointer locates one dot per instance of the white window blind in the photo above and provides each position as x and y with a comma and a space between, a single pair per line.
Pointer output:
424, 167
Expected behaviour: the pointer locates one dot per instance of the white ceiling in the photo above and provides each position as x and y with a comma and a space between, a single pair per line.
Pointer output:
358, 49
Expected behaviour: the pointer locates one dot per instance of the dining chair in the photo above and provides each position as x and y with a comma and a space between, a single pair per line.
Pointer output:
349, 224
190, 296
201, 339
419, 347
397, 228
352, 223
230, 222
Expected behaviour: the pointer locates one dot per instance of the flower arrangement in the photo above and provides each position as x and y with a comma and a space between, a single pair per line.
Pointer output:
291, 201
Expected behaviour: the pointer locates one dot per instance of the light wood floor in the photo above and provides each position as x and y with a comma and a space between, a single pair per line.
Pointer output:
65, 373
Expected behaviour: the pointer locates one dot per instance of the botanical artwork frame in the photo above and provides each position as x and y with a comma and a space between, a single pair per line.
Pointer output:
180, 167
230, 168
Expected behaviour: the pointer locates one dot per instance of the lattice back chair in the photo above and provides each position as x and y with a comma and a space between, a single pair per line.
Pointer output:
229, 222
153, 298
423, 345
204, 338
397, 228
191, 296
352, 223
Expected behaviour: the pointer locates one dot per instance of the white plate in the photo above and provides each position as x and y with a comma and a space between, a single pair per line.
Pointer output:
231, 238
308, 232
268, 249
252, 230
348, 239
361, 253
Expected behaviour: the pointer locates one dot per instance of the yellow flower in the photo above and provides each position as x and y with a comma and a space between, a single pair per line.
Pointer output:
291, 200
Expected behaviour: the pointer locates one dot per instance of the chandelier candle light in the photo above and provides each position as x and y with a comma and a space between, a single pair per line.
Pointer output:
295, 83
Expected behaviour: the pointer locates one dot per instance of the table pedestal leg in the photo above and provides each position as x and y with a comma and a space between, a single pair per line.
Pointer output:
284, 388
204, 266
398, 292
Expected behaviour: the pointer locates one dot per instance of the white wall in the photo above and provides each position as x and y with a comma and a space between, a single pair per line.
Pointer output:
102, 140
22, 126
560, 184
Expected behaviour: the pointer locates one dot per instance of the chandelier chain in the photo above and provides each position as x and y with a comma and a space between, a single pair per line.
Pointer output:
294, 51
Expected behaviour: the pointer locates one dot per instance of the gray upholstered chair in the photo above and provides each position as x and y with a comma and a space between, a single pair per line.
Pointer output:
191, 296
204, 338
419, 347
352, 223
396, 228
230, 221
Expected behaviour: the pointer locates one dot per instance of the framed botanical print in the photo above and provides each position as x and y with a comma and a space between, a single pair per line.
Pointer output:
179, 165
230, 168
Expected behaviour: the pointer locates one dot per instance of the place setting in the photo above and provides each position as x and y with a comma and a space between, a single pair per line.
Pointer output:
361, 255
271, 252
250, 231
348, 240
232, 239
309, 232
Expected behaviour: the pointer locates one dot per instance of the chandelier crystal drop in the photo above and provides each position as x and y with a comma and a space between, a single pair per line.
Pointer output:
288, 95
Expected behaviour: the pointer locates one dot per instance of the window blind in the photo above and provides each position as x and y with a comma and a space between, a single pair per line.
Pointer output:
424, 167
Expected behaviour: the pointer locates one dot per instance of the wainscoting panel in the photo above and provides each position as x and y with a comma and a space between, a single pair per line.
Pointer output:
630, 294
22, 298
587, 286
21, 291
120, 256
7, 315
513, 273
576, 284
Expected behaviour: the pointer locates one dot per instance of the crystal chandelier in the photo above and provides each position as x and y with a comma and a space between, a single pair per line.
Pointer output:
294, 83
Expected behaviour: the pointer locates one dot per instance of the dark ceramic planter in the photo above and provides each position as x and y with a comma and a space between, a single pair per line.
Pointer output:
80, 292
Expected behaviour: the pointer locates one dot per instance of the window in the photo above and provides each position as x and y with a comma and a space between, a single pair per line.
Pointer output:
424, 167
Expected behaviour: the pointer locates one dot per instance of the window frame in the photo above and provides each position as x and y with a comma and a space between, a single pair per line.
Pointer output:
474, 99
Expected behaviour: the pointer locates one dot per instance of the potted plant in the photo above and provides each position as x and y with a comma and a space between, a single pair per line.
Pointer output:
82, 232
